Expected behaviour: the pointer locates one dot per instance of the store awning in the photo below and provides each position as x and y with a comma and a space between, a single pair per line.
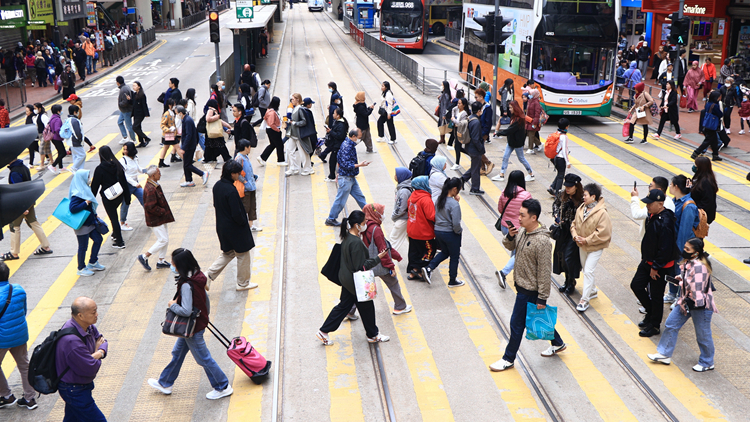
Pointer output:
697, 8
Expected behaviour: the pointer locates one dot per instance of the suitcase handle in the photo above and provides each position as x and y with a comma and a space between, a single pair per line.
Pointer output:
223, 339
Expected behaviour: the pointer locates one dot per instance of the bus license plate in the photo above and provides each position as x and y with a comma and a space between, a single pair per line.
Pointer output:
400, 46
572, 112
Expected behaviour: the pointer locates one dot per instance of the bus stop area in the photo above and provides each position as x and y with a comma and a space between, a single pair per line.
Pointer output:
246, 39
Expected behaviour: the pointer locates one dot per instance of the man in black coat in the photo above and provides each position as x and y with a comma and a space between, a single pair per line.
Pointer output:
233, 228
79, 57
188, 144
475, 149
173, 92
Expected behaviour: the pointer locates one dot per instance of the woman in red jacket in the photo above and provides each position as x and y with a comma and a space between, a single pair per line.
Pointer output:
420, 227
533, 111
374, 233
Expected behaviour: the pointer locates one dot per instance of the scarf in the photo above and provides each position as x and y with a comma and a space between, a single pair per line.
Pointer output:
694, 77
359, 98
374, 212
438, 162
639, 87
80, 187
421, 183
587, 209
402, 173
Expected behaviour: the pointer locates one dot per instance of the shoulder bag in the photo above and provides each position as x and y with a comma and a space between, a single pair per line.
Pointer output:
7, 301
74, 221
113, 192
101, 226
331, 268
214, 129
365, 286
179, 326
499, 222
379, 269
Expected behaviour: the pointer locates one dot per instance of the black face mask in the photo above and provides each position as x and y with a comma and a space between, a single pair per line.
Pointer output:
695, 169
687, 255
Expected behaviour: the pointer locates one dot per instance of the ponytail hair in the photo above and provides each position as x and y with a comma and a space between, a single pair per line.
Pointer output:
697, 245
453, 182
355, 217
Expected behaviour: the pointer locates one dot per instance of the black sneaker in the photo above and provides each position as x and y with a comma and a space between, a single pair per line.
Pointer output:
456, 283
501, 279
476, 192
162, 264
332, 223
644, 141
29, 404
717, 158
163, 165
649, 332
426, 273
644, 323
563, 288
570, 289
10, 401
119, 245
141, 145
551, 192
142, 259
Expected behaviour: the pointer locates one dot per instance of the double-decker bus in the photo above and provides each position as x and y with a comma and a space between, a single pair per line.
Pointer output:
567, 47
402, 24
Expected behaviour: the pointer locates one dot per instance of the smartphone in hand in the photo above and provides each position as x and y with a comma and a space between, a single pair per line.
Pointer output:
509, 223
672, 280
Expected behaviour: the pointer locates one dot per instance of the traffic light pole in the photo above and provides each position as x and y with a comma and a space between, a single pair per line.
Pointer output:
218, 62
494, 63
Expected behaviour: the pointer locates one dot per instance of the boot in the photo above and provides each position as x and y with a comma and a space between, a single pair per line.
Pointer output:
571, 288
162, 164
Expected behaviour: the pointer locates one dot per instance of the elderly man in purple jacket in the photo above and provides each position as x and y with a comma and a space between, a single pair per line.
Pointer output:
78, 359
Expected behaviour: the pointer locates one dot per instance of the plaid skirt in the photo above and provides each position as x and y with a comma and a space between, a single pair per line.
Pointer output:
45, 147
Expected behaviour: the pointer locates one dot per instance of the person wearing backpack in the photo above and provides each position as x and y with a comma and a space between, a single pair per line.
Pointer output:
556, 149
709, 124
641, 104
73, 129
14, 334
420, 165
687, 218
516, 135
475, 149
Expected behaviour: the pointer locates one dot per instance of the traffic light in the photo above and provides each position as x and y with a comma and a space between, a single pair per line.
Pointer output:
213, 25
679, 30
501, 36
487, 22
18, 197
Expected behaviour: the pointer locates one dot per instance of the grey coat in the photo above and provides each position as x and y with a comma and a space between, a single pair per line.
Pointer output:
401, 208
298, 119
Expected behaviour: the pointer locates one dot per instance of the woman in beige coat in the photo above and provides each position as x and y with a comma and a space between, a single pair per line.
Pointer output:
592, 232
642, 104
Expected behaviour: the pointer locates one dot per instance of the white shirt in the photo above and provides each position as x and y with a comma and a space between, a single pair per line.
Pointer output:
640, 212
132, 169
191, 109
562, 148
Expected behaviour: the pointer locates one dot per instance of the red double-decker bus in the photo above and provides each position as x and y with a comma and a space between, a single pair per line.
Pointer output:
402, 24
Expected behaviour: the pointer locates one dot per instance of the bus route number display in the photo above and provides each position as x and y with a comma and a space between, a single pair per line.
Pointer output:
402, 5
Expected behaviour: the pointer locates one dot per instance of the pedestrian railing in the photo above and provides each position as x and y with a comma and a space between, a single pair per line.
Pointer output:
453, 35
223, 6
14, 93
227, 74
192, 20
124, 48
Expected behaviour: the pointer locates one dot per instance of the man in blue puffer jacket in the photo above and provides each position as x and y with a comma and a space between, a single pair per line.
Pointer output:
14, 334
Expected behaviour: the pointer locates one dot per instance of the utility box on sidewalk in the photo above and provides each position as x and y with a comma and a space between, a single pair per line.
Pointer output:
246, 35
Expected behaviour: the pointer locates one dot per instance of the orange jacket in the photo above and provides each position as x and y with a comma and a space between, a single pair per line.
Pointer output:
421, 222
709, 71
89, 48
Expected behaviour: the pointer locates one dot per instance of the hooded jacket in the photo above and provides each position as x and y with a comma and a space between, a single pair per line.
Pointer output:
363, 116
437, 180
421, 223
533, 270
632, 75
596, 228
401, 207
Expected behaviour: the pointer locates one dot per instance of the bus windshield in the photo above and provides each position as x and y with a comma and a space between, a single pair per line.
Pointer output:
402, 23
573, 67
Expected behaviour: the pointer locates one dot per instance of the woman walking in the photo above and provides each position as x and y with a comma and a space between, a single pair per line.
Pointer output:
55, 123
659, 57
694, 79
386, 113
400, 213
191, 104
670, 105
506, 95
108, 173
41, 120
729, 100
354, 258
459, 113
592, 232
374, 233
82, 199
273, 131
140, 112
216, 145
561, 160
420, 227
696, 301
169, 133
299, 159
516, 134
705, 188
191, 295
711, 137
437, 176
132, 168
444, 103
534, 111
447, 232
641, 106
566, 256
509, 206
31, 120
363, 112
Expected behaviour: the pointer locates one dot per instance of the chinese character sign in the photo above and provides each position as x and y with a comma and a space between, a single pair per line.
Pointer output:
41, 10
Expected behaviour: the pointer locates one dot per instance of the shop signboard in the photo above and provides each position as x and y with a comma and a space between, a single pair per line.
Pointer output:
244, 9
41, 10
68, 10
12, 17
722, 26
91, 14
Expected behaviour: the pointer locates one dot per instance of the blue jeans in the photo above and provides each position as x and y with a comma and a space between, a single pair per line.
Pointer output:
126, 117
83, 245
702, 323
518, 325
79, 404
450, 246
89, 63
79, 157
202, 141
197, 346
347, 186
521, 158
138, 192
512, 261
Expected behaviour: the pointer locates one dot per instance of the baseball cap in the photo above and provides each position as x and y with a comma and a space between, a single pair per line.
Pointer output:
307, 101
571, 180
72, 97
654, 195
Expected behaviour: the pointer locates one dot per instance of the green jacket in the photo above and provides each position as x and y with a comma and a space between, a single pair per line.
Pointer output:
354, 256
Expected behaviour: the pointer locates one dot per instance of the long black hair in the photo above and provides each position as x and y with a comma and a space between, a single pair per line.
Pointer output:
447, 89
355, 217
185, 263
106, 154
697, 245
132, 151
190, 94
681, 182
515, 180
387, 86
453, 182
141, 93
275, 103
219, 95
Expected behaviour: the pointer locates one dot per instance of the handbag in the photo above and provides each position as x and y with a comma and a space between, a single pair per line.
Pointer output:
383, 112
626, 126
161, 98
379, 269
555, 232
540, 323
437, 111
101, 226
639, 114
74, 221
331, 268
364, 285
499, 222
214, 129
113, 192
169, 136
505, 120
179, 326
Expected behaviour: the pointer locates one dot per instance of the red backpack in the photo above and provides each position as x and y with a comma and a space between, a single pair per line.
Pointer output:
550, 145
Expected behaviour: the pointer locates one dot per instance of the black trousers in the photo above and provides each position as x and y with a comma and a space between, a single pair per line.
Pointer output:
391, 129
82, 70
728, 117
632, 130
138, 129
711, 140
61, 153
458, 146
642, 284
111, 208
338, 313
212, 153
33, 147
262, 115
473, 172
188, 167
274, 143
559, 163
332, 161
421, 253
664, 119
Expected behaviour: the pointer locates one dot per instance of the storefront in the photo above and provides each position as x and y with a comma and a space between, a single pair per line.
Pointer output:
71, 17
12, 25
739, 40
634, 22
41, 19
708, 26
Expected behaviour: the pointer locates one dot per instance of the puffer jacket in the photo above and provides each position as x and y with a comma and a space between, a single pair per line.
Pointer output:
13, 329
421, 223
533, 110
513, 210
596, 228
533, 270
401, 207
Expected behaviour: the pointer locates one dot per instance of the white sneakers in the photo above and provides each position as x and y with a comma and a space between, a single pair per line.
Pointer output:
498, 178
53, 170
247, 287
307, 173
658, 357
378, 339
324, 338
291, 172
553, 350
382, 139
216, 394
155, 383
260, 161
124, 141
742, 132
282, 164
450, 148
455, 166
501, 365
391, 142
530, 178
205, 177
530, 151
125, 227
701, 368
403, 311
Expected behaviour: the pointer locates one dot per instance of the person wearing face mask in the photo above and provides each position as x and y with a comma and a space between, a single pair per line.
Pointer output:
697, 302
158, 215
448, 231
354, 258
729, 99
334, 140
336, 100
347, 181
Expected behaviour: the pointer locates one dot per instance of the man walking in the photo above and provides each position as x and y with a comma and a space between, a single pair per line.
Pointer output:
88, 47
18, 172
14, 334
348, 171
232, 227
475, 149
188, 144
125, 121
174, 93
533, 272
264, 100
158, 215
79, 57
78, 359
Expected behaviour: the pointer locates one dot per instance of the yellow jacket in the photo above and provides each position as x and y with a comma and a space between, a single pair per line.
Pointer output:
167, 122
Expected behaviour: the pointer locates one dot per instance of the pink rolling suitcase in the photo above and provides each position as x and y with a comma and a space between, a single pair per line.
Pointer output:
244, 355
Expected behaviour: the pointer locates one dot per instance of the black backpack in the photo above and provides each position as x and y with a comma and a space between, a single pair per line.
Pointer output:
42, 369
255, 102
418, 164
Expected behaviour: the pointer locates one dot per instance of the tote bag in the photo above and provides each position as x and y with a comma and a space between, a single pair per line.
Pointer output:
364, 285
214, 129
540, 323
379, 270
74, 221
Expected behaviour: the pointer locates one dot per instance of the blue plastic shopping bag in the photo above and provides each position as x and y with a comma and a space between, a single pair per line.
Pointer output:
540, 323
75, 221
